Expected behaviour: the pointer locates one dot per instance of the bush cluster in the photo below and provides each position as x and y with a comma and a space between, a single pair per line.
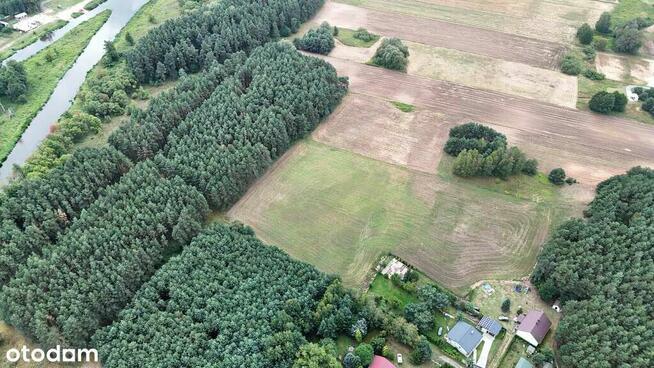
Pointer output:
481, 151
319, 41
392, 54
605, 102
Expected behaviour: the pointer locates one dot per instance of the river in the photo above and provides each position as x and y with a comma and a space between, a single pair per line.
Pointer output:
69, 85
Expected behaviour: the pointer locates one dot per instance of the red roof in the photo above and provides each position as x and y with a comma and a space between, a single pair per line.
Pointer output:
380, 362
537, 324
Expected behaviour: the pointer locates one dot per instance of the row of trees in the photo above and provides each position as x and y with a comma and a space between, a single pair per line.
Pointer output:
627, 35
319, 41
198, 40
13, 81
13, 7
601, 268
146, 133
481, 151
106, 255
227, 300
277, 97
34, 213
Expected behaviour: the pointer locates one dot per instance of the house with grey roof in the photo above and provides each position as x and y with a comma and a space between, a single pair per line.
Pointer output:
534, 327
464, 337
489, 326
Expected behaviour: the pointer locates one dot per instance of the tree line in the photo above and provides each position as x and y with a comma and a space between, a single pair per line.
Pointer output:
13, 7
482, 151
602, 269
227, 300
277, 97
198, 40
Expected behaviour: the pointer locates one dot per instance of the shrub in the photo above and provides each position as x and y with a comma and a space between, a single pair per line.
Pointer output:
600, 44
648, 105
364, 352
319, 41
570, 181
392, 54
620, 101
422, 352
557, 176
589, 53
363, 35
571, 65
603, 25
506, 305
585, 34
628, 39
593, 74
602, 102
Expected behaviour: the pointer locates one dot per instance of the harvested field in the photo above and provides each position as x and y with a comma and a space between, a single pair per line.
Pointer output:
504, 46
375, 128
590, 147
628, 69
487, 73
340, 211
554, 21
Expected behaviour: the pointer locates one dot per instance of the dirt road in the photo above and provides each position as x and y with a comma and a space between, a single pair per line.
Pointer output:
590, 147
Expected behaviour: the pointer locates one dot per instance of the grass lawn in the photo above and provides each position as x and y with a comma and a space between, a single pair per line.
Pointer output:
385, 288
341, 211
156, 10
588, 88
59, 4
404, 107
43, 77
517, 349
26, 39
627, 10
346, 36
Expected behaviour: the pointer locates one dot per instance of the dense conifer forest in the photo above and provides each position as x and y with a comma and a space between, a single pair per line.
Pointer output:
227, 300
602, 269
203, 38
102, 232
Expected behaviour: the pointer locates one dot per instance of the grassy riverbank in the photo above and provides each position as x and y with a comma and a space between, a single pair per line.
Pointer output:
29, 38
44, 70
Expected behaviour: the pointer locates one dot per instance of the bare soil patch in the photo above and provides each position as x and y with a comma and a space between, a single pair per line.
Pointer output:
439, 33
628, 69
497, 75
375, 128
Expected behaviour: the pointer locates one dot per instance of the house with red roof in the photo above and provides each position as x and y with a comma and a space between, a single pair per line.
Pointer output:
534, 327
381, 362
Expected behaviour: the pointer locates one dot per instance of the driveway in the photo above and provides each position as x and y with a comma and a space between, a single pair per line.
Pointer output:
483, 356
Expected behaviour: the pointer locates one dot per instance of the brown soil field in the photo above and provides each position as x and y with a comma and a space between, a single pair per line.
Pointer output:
487, 73
554, 21
498, 45
375, 128
628, 69
590, 147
